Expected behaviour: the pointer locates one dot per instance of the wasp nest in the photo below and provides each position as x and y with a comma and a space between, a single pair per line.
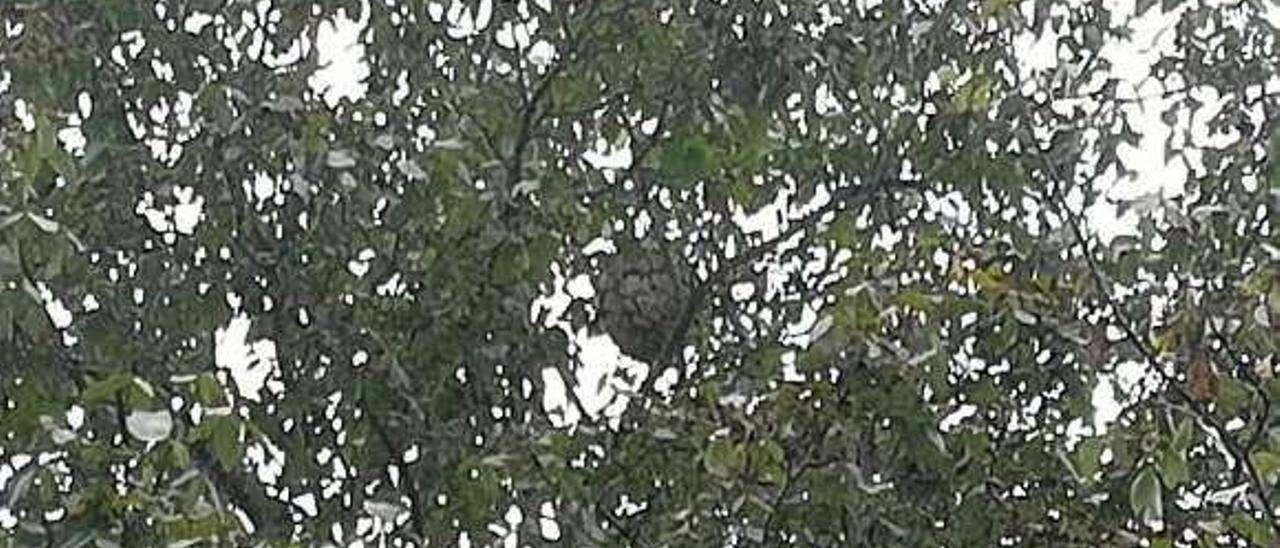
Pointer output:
641, 294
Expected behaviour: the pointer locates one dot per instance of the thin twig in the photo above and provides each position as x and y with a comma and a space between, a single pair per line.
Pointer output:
1244, 370
846, 197
417, 513
1229, 443
532, 111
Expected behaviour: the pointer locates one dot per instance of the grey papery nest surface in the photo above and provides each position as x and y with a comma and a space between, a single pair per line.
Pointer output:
641, 294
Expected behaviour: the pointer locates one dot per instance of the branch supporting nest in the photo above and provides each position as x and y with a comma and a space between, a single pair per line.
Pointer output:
648, 300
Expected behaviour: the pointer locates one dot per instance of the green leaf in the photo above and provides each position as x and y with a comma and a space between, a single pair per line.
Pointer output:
207, 389
10, 258
133, 392
224, 439
722, 458
751, 144
917, 300
176, 456
476, 489
768, 461
1145, 497
510, 264
1087, 457
995, 8
687, 158
198, 528
1166, 341
743, 192
62, 163
1267, 464
22, 417
46, 137
541, 251
106, 389
6, 321
314, 131
1184, 435
974, 95
1233, 395
1258, 533
843, 232
1173, 468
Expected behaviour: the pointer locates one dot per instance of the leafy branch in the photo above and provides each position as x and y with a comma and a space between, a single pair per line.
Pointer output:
1257, 484
844, 198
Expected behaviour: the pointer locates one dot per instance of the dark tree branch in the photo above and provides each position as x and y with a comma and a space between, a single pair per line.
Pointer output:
532, 109
792, 475
1244, 370
1238, 453
417, 512
846, 198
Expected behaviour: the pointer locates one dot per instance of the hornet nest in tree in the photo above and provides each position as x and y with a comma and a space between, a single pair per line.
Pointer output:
641, 294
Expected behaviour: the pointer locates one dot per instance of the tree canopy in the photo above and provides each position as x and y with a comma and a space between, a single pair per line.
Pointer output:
337, 273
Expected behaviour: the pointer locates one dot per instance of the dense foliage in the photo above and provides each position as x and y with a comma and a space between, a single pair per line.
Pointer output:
254, 292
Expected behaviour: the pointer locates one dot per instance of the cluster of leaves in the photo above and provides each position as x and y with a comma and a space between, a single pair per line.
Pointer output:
905, 352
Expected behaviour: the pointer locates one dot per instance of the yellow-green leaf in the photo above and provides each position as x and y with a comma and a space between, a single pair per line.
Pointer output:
1267, 463
1258, 533
1087, 457
1173, 468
